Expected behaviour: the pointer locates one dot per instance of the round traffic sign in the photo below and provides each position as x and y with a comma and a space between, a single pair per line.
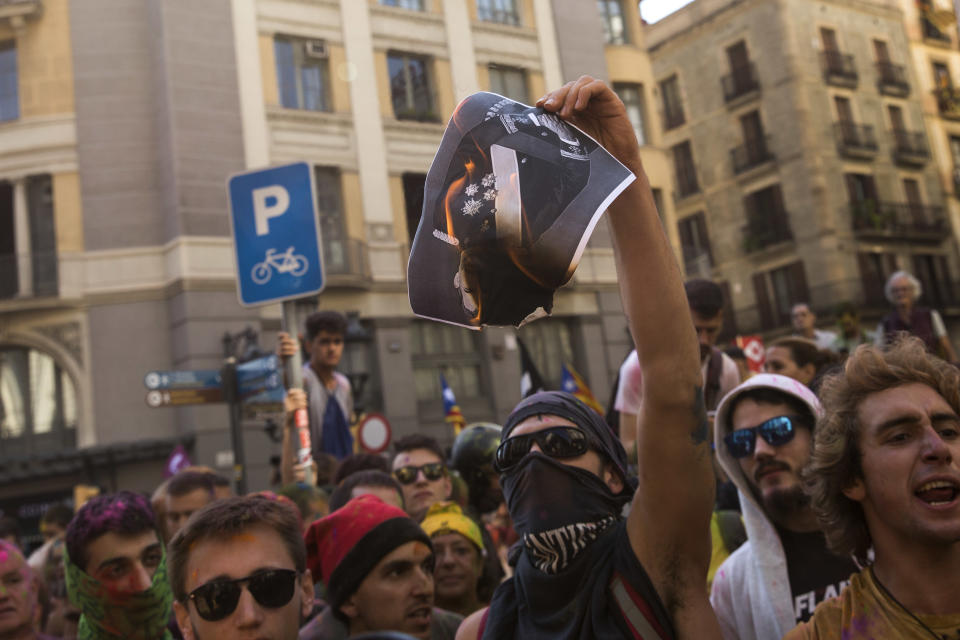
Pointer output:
374, 433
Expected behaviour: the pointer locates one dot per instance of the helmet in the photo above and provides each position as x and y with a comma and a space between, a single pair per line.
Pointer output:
475, 447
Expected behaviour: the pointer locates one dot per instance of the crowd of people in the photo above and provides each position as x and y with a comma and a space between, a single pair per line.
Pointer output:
817, 499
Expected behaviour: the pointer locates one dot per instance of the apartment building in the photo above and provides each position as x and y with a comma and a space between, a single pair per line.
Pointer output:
801, 139
119, 124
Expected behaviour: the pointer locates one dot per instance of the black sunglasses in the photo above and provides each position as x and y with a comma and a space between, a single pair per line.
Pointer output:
431, 471
776, 431
556, 442
217, 599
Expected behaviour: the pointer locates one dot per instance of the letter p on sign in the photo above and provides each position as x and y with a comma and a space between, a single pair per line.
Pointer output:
263, 209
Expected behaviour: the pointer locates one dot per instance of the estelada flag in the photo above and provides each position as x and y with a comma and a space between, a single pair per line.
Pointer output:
452, 409
573, 383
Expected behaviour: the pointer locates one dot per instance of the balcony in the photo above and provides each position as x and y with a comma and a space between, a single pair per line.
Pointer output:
898, 221
948, 102
749, 156
740, 82
910, 148
773, 229
855, 141
838, 69
687, 183
892, 79
673, 118
696, 262
933, 34
346, 262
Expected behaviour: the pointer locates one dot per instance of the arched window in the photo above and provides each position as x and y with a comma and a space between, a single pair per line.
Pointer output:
38, 403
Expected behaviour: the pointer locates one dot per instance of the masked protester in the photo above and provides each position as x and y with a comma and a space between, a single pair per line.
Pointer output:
583, 570
115, 570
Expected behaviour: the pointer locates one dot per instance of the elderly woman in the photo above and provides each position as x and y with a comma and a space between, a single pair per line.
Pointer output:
902, 290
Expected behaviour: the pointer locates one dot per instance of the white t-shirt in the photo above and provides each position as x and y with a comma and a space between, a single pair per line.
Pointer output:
628, 391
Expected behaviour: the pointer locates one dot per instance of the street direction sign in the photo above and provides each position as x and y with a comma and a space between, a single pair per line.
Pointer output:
258, 375
273, 214
177, 397
196, 379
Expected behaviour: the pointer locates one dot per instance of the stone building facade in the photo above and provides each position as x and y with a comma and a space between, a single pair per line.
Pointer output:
119, 125
801, 135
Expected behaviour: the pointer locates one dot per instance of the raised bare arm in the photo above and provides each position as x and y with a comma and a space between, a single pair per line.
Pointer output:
670, 515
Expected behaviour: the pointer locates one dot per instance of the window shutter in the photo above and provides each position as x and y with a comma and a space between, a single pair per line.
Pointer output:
729, 330
763, 300
700, 221
798, 282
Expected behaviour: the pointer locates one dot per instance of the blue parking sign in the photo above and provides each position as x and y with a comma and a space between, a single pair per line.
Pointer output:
276, 235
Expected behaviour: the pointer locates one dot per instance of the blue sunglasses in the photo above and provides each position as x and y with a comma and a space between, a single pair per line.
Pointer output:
775, 431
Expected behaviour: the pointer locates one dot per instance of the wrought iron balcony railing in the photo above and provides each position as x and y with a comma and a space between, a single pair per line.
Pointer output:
740, 81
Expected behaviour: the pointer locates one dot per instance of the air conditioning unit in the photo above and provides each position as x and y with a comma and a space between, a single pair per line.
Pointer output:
315, 49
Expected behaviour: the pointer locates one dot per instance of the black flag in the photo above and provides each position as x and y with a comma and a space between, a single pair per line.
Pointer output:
530, 379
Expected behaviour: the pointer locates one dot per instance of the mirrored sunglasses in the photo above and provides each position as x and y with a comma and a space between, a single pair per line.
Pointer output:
775, 431
431, 471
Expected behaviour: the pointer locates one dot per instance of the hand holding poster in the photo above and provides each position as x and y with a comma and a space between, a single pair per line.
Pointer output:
510, 201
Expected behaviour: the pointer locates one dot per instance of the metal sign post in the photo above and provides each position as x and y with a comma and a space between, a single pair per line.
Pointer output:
273, 215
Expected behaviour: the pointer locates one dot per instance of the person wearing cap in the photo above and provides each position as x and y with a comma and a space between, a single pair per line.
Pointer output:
582, 569
763, 437
458, 546
885, 483
377, 565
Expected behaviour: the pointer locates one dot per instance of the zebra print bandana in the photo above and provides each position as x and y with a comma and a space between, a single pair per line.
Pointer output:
557, 509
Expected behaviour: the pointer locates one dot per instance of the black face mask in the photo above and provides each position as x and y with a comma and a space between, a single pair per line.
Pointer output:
557, 509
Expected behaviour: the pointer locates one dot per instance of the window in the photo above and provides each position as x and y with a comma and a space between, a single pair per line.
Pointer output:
632, 96
28, 240
767, 219
510, 82
9, 82
302, 73
453, 351
955, 154
934, 276
414, 5
548, 341
413, 184
882, 51
337, 258
672, 105
502, 11
38, 402
941, 76
410, 88
614, 26
683, 165
875, 268
777, 291
695, 244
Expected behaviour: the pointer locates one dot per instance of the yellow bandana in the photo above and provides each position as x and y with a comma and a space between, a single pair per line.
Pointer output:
446, 517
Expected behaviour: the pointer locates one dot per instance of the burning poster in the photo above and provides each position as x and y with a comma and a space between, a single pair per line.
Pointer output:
510, 201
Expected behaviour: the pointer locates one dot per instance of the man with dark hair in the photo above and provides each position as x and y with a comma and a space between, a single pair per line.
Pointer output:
372, 482
187, 491
885, 476
377, 564
238, 569
420, 467
115, 572
804, 325
18, 597
720, 373
360, 462
312, 502
329, 421
582, 570
763, 439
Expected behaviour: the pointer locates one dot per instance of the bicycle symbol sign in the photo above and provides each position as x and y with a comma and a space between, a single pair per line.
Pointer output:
276, 234
286, 262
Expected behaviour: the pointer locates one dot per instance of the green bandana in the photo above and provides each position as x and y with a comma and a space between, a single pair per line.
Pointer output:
109, 615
